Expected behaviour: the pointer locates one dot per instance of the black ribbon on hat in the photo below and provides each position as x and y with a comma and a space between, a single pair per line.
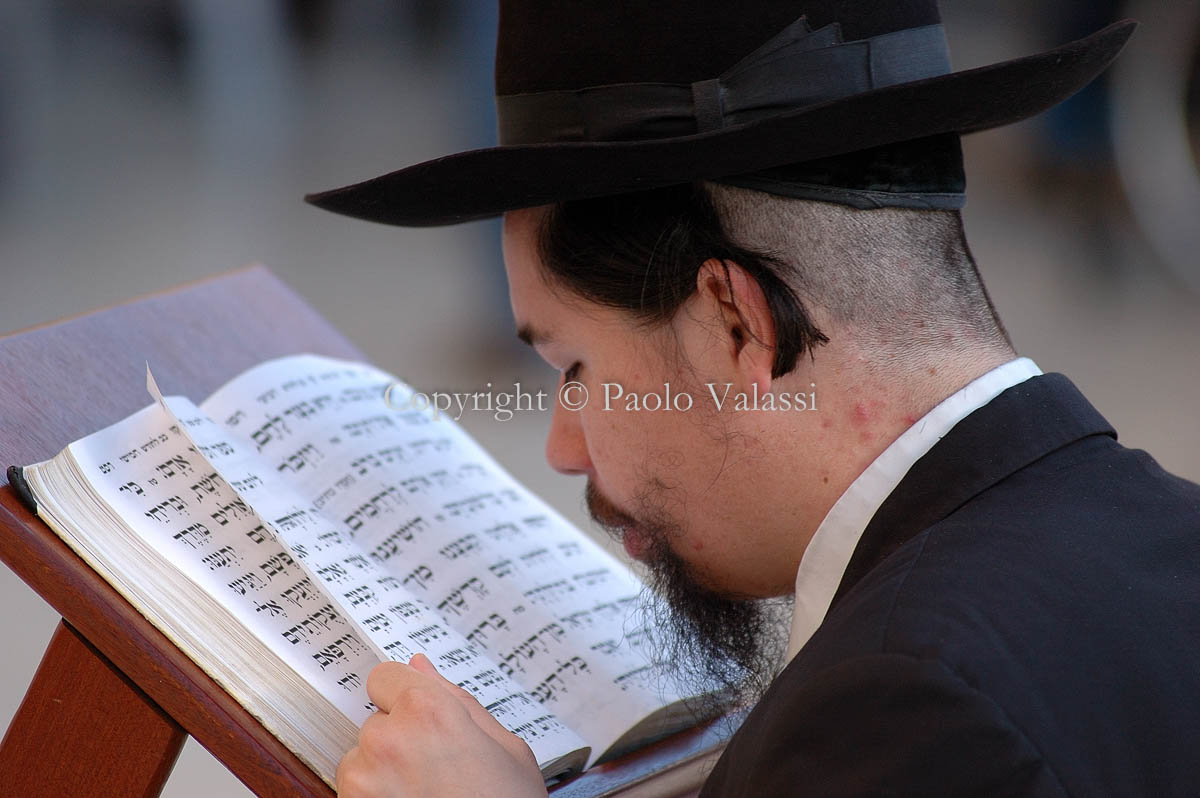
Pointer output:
797, 67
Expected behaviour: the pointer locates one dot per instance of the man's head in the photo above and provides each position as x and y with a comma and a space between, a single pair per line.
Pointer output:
722, 293
680, 311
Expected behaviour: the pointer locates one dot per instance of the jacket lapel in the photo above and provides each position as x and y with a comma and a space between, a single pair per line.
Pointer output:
1022, 424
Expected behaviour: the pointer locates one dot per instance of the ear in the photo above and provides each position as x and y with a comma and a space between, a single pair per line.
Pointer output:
747, 332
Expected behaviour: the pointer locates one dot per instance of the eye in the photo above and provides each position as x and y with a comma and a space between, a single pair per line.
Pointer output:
571, 373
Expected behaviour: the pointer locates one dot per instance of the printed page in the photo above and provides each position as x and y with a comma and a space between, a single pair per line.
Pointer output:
177, 503
142, 508
400, 491
167, 492
395, 621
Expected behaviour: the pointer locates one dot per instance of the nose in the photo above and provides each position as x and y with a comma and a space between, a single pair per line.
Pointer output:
566, 444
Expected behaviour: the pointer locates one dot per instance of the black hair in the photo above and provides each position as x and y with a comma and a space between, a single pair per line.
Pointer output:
904, 279
641, 253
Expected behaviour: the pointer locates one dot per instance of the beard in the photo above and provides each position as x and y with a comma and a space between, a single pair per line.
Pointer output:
724, 648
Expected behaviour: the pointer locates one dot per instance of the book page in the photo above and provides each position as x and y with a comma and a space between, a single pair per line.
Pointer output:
411, 497
149, 473
394, 621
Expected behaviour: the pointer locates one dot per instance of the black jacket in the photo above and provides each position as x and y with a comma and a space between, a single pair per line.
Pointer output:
1020, 617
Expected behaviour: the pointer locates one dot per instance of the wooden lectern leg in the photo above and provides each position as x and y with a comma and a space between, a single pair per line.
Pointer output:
84, 729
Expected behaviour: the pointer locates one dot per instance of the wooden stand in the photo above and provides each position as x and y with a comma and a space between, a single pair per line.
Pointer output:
110, 704
82, 711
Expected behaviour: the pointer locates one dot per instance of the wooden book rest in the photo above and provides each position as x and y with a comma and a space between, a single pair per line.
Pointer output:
112, 701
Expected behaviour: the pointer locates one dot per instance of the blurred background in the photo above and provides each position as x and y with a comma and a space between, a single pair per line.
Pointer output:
146, 143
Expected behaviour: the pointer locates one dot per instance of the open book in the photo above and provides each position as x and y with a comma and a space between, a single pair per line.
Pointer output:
297, 528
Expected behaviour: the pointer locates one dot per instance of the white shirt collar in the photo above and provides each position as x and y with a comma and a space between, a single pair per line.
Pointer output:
828, 553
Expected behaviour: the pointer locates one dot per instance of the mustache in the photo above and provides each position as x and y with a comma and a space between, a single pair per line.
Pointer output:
604, 512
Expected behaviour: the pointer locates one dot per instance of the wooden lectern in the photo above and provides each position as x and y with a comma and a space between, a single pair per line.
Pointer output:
112, 701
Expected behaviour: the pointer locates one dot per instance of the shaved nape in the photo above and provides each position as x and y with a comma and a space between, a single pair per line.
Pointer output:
901, 280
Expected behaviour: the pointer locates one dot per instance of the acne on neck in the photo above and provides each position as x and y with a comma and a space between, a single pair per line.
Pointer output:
864, 405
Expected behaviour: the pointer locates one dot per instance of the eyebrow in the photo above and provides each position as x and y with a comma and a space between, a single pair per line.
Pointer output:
533, 336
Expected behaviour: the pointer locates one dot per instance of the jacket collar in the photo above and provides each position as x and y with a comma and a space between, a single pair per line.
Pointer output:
1021, 425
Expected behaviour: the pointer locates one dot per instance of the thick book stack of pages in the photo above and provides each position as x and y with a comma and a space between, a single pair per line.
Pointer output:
295, 529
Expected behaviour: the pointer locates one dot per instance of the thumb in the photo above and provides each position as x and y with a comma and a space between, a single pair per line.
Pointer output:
482, 718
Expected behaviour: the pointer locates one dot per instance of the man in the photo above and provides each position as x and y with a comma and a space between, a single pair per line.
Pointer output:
756, 207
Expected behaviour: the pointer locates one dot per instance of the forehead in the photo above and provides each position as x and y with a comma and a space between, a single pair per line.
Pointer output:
544, 310
538, 306
522, 262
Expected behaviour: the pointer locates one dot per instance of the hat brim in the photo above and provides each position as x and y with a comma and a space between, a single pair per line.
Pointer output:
482, 183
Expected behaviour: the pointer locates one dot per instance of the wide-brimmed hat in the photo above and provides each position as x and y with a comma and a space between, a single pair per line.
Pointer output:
603, 97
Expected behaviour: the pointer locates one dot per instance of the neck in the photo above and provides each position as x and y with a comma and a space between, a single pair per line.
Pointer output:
863, 405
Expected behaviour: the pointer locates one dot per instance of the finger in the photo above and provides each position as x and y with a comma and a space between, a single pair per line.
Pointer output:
482, 718
421, 663
392, 682
388, 680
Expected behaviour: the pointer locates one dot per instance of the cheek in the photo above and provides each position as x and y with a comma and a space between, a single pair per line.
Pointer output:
688, 476
657, 455
616, 447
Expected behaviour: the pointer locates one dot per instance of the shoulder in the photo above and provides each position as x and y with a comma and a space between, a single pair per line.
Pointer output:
1078, 564
991, 653
875, 724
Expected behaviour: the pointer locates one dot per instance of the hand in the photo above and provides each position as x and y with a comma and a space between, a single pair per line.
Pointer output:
432, 738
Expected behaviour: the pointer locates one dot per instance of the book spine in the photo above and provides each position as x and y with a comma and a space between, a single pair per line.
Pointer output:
16, 478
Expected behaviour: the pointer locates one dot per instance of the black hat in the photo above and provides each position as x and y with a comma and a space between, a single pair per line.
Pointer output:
852, 101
